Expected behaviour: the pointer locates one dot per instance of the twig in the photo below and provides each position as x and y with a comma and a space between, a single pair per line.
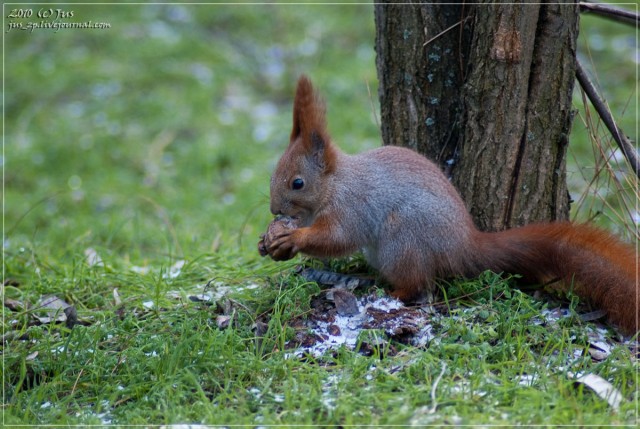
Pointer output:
73, 389
614, 13
625, 145
373, 106
445, 31
434, 387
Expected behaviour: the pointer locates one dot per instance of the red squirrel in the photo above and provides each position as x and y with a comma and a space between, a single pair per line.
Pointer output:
412, 226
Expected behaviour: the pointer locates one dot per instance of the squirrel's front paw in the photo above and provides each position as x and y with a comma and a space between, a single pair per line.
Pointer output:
283, 247
273, 241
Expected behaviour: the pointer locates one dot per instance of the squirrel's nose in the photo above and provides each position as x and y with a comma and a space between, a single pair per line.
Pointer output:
275, 210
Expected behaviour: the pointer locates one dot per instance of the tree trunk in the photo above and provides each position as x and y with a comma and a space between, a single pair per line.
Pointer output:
485, 91
420, 84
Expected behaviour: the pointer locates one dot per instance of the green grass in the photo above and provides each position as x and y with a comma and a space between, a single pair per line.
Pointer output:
173, 364
152, 142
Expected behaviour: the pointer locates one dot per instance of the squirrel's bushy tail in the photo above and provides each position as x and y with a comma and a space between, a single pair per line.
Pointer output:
595, 265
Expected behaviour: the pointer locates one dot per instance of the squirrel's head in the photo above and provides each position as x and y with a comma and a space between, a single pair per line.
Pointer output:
299, 184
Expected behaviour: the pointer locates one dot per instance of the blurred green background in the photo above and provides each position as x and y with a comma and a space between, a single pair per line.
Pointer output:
157, 136
152, 141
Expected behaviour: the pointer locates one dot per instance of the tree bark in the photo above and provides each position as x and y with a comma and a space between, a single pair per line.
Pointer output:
421, 70
489, 99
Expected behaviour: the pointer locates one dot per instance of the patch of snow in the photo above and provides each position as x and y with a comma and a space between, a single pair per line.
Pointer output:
424, 336
140, 270
344, 330
526, 380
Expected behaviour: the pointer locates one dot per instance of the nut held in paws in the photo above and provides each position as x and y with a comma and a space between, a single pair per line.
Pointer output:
274, 229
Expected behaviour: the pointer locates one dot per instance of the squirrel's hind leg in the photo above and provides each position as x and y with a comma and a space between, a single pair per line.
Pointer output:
411, 279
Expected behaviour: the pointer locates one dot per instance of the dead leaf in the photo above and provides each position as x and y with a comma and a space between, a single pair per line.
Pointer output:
54, 307
223, 321
346, 303
599, 350
116, 297
92, 257
260, 328
14, 305
72, 316
601, 387
593, 315
175, 270
337, 280
334, 330
203, 298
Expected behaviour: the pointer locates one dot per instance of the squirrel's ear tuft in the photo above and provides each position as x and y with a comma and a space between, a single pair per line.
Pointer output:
318, 150
308, 111
310, 127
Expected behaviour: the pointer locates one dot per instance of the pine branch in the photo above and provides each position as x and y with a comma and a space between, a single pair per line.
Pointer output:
625, 145
614, 13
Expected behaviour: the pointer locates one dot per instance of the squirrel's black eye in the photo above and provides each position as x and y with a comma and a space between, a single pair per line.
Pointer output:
297, 184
